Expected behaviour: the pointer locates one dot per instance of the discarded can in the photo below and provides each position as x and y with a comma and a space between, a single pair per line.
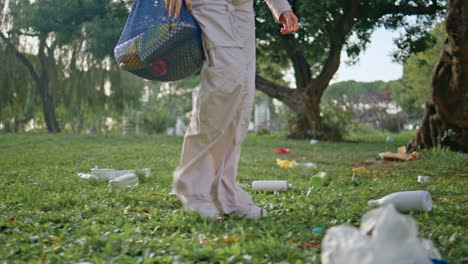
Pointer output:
319, 179
270, 186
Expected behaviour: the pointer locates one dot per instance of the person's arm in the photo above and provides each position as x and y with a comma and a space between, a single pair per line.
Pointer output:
283, 14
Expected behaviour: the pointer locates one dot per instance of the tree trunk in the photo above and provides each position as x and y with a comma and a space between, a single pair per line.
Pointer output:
45, 92
305, 100
445, 122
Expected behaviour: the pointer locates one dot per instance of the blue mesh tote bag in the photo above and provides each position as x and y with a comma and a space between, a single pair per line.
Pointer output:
157, 47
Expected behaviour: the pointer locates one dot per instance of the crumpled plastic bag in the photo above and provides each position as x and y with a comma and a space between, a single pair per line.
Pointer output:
400, 156
384, 237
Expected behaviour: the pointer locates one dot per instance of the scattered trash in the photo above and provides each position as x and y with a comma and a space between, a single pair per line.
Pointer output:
285, 164
126, 180
283, 151
305, 165
360, 170
313, 141
121, 178
423, 178
389, 139
270, 186
406, 201
400, 156
317, 230
319, 179
110, 174
385, 237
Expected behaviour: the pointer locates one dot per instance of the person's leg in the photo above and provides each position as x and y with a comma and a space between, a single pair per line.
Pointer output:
214, 126
226, 192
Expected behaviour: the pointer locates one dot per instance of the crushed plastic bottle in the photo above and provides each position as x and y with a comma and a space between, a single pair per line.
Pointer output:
110, 174
385, 237
126, 180
121, 178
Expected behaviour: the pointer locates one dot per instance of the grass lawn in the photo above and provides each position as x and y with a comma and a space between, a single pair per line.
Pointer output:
49, 215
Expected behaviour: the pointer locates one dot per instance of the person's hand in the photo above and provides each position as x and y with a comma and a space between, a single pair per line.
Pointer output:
174, 6
289, 21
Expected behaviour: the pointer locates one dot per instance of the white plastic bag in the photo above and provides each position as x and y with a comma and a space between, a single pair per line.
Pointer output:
385, 237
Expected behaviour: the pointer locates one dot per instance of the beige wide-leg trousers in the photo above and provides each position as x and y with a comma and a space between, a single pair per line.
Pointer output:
211, 150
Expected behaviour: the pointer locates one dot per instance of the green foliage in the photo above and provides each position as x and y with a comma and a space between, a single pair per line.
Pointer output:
47, 214
413, 89
336, 117
355, 92
318, 20
18, 101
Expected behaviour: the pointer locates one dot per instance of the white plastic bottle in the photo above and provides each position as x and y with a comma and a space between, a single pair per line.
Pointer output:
406, 201
270, 186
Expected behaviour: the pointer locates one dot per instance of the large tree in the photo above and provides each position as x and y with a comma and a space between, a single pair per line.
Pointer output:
329, 28
446, 118
412, 89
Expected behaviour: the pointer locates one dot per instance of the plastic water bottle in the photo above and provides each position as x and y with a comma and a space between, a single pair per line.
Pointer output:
271, 186
126, 180
406, 201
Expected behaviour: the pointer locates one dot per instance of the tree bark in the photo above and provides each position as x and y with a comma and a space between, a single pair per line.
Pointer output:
45, 92
445, 122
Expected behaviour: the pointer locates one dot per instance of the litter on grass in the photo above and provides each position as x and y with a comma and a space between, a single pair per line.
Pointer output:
385, 237
313, 141
319, 179
360, 170
118, 178
287, 164
423, 178
283, 151
317, 229
401, 155
404, 202
305, 165
270, 186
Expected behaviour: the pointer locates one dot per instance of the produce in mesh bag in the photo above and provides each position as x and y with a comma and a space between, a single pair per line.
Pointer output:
157, 47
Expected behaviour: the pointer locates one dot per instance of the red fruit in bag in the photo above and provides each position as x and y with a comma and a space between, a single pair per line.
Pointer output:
159, 66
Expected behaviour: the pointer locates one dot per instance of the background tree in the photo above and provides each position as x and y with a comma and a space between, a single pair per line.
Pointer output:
411, 91
328, 28
69, 39
446, 118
